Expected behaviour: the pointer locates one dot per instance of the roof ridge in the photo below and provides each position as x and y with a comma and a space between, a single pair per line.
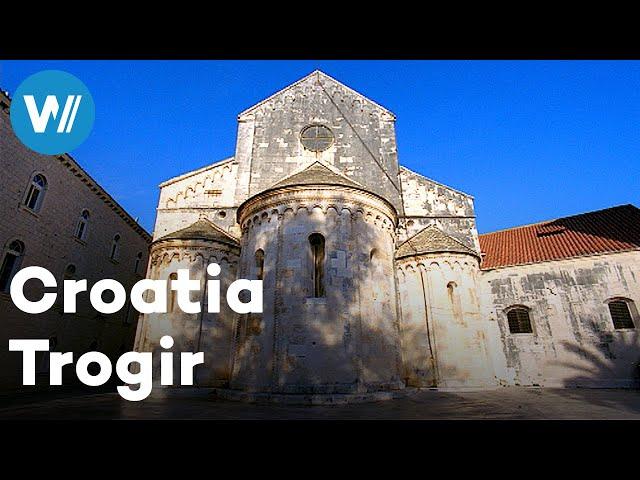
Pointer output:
607, 230
320, 163
441, 232
318, 73
541, 222
402, 167
202, 219
196, 171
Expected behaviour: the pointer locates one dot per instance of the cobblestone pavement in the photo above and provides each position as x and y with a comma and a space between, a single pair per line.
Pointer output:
507, 403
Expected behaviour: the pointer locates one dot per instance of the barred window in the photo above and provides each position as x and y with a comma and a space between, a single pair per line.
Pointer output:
621, 314
519, 321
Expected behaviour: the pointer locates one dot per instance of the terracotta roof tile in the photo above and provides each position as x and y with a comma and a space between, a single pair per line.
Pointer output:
614, 229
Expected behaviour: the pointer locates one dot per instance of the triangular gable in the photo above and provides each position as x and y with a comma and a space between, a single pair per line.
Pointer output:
317, 173
323, 79
431, 240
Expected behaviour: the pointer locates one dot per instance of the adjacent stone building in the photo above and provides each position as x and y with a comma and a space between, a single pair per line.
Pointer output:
374, 276
54, 215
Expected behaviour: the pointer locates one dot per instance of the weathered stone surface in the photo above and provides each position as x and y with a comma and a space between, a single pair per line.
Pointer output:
431, 240
406, 300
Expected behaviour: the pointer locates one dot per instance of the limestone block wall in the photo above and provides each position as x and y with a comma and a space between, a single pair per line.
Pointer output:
208, 191
427, 202
48, 237
208, 332
574, 342
445, 339
346, 341
269, 146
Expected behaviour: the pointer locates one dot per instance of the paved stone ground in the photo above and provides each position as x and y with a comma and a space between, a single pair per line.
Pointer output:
502, 404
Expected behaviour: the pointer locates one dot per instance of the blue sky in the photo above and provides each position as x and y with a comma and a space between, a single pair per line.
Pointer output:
530, 140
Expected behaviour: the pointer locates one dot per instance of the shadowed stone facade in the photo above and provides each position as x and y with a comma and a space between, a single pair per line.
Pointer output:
373, 274
49, 235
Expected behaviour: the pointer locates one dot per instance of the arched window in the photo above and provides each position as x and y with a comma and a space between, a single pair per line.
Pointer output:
115, 247
621, 313
83, 223
138, 261
10, 264
35, 192
316, 242
451, 290
259, 264
70, 272
172, 293
519, 321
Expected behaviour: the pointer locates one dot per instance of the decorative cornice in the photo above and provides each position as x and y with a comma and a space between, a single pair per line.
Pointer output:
166, 252
427, 261
72, 165
325, 197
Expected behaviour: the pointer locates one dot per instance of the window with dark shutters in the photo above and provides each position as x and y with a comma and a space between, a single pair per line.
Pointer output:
620, 314
519, 321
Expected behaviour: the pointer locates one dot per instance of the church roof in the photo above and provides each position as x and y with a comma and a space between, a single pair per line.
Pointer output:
203, 229
322, 79
197, 171
432, 240
317, 174
615, 229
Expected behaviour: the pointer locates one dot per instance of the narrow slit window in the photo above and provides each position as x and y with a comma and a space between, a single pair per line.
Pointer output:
83, 223
172, 293
316, 242
115, 247
136, 267
260, 264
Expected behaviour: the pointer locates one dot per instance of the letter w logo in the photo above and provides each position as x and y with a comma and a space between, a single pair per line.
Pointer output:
39, 120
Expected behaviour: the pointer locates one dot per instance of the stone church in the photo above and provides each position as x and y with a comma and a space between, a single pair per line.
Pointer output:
374, 276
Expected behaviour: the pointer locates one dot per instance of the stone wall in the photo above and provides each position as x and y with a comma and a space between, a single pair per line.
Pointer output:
208, 332
48, 236
346, 341
445, 339
573, 342
269, 146
427, 202
209, 191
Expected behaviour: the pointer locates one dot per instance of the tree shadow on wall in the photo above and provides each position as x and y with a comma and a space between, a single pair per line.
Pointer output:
613, 363
340, 343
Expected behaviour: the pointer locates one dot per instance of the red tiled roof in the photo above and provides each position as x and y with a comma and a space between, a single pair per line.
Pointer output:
614, 229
